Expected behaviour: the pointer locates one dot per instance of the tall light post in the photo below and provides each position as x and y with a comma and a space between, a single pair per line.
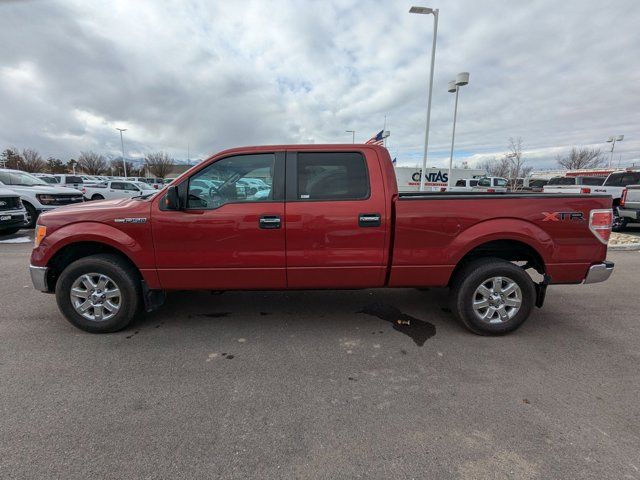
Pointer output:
353, 135
124, 162
612, 140
461, 80
428, 11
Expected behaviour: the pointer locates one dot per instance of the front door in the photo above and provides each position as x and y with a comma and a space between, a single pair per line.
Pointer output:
336, 220
231, 235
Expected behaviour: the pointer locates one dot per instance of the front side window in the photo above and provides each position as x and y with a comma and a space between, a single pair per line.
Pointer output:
242, 178
631, 178
117, 185
332, 176
500, 182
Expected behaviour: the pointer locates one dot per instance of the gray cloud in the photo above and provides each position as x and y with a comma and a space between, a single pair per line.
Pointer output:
220, 74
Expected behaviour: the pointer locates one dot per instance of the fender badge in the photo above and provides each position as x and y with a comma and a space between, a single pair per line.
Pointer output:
130, 220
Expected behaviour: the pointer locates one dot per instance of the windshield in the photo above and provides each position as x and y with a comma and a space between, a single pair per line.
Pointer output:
21, 179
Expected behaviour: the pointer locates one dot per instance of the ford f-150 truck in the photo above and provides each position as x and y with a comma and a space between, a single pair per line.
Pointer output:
331, 218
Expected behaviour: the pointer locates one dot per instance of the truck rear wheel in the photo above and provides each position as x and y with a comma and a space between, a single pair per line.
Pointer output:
99, 293
491, 296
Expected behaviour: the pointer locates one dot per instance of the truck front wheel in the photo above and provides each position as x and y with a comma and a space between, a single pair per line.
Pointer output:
491, 296
99, 293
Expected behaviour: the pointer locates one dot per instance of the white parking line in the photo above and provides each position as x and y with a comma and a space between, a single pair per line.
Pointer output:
16, 239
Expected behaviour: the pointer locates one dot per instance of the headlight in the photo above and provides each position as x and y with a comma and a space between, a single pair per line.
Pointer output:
46, 199
41, 232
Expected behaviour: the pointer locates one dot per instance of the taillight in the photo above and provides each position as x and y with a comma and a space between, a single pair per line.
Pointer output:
624, 197
585, 190
491, 190
600, 224
84, 190
443, 189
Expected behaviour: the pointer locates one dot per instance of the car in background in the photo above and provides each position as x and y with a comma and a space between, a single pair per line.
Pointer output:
533, 184
154, 182
37, 195
464, 185
12, 212
47, 177
491, 185
91, 179
69, 181
629, 209
577, 184
114, 189
615, 185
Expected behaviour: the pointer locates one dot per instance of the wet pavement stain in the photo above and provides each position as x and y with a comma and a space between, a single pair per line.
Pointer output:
132, 335
215, 314
265, 313
418, 330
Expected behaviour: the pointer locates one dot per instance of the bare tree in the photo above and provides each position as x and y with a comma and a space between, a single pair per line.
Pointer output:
92, 163
55, 165
118, 169
516, 162
32, 161
583, 157
159, 164
495, 167
11, 158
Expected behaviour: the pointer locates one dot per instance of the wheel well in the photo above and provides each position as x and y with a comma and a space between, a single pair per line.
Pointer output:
510, 250
75, 251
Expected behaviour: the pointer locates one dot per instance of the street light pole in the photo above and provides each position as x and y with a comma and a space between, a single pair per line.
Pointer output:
353, 135
613, 140
427, 11
124, 162
454, 86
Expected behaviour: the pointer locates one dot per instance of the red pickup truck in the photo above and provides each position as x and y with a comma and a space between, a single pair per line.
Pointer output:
316, 217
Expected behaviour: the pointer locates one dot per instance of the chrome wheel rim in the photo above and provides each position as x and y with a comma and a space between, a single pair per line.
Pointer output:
497, 300
96, 297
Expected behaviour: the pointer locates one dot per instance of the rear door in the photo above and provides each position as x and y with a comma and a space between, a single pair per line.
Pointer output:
336, 219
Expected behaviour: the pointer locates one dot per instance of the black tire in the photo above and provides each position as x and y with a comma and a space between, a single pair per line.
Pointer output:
124, 276
97, 196
32, 215
475, 274
619, 223
9, 231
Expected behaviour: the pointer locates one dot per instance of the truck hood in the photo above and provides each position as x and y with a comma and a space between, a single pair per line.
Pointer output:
102, 211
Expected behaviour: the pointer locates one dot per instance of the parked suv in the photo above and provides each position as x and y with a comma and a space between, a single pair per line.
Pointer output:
36, 195
12, 212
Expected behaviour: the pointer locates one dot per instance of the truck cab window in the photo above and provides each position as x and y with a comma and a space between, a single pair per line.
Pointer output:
332, 176
242, 178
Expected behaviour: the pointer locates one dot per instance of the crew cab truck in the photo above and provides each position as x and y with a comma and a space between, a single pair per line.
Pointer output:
615, 185
331, 219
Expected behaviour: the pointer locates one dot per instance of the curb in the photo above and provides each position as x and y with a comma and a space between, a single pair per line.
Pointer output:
628, 247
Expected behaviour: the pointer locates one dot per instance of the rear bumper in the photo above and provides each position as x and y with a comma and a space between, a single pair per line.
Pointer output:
39, 278
599, 272
631, 214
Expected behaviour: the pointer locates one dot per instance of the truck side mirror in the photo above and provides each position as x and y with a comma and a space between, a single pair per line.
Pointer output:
172, 199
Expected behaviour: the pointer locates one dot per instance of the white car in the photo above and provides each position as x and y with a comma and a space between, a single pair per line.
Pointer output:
36, 195
47, 177
491, 185
12, 212
114, 189
464, 185
577, 184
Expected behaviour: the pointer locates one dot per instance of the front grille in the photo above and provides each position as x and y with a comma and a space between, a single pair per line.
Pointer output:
67, 199
10, 203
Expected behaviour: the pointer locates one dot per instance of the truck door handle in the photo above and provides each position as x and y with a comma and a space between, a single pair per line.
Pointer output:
369, 220
269, 222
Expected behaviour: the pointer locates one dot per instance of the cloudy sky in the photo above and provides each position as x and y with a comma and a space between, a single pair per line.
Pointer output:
217, 74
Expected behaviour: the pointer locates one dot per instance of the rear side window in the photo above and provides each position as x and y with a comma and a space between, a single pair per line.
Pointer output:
484, 182
332, 176
117, 185
473, 183
72, 179
592, 181
461, 183
630, 178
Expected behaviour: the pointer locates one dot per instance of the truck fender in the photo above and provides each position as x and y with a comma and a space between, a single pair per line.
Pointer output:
92, 232
503, 229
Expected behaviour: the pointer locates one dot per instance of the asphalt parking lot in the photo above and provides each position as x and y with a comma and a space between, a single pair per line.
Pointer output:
321, 385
